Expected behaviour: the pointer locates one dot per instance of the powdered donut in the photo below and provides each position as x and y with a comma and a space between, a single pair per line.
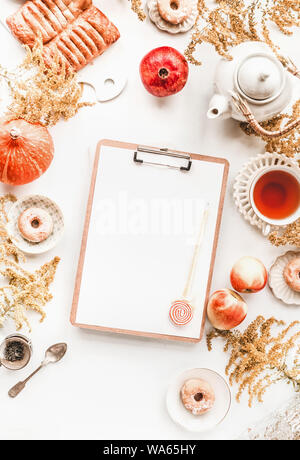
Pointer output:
197, 396
175, 11
35, 225
291, 274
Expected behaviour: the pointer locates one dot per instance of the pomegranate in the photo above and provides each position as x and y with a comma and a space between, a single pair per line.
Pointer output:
164, 71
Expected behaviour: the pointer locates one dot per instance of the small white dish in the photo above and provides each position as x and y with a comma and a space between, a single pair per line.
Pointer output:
107, 86
156, 18
278, 286
36, 201
204, 422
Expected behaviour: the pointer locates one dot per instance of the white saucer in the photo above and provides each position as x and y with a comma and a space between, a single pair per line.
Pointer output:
277, 283
36, 201
244, 179
204, 422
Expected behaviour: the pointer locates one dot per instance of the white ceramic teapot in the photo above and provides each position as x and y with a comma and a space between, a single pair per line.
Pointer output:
254, 76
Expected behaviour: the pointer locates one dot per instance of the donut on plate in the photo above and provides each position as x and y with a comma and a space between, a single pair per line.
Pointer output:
35, 225
291, 274
175, 11
197, 396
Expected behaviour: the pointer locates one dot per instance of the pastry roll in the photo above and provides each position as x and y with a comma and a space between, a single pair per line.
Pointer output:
74, 30
83, 40
46, 18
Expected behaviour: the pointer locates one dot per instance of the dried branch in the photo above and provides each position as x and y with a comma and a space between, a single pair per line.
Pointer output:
258, 357
290, 235
232, 22
136, 6
42, 94
25, 291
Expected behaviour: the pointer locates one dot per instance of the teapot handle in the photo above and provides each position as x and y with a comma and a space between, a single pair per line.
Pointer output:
291, 67
243, 107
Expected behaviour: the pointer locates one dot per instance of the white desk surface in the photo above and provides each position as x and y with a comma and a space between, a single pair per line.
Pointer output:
109, 386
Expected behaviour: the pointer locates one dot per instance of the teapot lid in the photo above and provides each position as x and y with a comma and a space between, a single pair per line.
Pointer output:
260, 77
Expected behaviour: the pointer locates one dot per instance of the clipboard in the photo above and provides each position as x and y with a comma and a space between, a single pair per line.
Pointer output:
141, 222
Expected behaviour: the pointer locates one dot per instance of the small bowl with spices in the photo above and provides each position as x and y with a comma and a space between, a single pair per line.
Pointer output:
15, 352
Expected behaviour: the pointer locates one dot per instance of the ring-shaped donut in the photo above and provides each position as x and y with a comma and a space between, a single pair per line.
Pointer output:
35, 224
291, 274
197, 396
175, 11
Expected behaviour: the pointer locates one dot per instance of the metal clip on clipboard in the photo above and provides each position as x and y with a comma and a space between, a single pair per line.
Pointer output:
166, 152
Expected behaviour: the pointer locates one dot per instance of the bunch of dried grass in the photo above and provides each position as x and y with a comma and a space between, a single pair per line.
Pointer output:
24, 290
232, 22
136, 6
290, 235
42, 93
259, 355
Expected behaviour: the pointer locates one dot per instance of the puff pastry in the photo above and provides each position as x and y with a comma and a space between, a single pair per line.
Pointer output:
75, 29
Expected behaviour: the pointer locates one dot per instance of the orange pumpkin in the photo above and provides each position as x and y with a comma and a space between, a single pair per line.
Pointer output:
26, 151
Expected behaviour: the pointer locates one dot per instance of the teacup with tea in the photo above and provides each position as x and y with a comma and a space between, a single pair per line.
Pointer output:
275, 196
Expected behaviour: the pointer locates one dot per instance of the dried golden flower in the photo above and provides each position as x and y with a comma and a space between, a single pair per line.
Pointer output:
25, 291
42, 94
290, 235
258, 357
234, 21
136, 6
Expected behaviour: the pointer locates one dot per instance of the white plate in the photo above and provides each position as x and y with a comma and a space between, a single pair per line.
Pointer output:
277, 283
209, 420
36, 201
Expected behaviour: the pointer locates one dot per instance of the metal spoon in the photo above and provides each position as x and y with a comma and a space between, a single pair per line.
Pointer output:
54, 354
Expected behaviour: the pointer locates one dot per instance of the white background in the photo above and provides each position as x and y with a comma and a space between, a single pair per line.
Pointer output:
109, 386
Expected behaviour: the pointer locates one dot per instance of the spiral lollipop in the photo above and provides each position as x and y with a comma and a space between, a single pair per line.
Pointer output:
181, 313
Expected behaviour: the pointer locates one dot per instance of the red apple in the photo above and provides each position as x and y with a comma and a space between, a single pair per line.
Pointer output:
248, 275
226, 309
164, 71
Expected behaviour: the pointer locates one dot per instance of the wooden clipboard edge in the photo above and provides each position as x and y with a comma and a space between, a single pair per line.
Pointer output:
129, 146
215, 243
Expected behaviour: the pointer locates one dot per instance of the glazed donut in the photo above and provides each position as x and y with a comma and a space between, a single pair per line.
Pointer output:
291, 274
35, 225
175, 11
197, 396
